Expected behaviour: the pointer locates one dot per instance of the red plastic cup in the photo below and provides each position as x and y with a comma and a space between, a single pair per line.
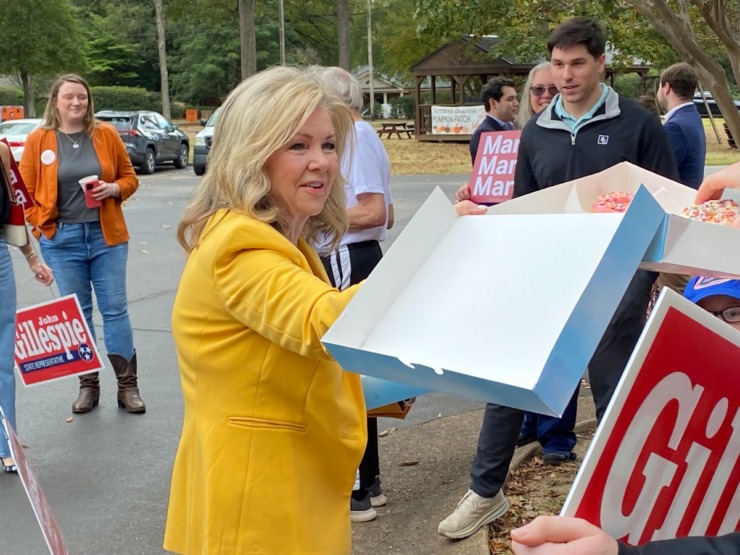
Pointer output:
88, 184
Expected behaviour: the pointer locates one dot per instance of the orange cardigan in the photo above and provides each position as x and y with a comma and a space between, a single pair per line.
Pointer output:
39, 171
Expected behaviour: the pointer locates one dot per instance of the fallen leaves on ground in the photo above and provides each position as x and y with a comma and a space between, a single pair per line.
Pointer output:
535, 489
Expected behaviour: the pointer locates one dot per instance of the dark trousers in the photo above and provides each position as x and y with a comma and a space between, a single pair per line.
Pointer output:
501, 425
555, 434
348, 265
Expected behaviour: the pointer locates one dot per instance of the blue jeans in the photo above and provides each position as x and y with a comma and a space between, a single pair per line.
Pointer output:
81, 262
555, 434
7, 342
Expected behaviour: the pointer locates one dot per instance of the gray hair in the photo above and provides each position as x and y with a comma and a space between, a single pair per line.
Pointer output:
344, 84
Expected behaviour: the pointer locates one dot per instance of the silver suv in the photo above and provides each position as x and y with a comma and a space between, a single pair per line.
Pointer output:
203, 141
149, 138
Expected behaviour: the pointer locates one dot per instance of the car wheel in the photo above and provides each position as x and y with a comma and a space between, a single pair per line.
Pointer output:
150, 162
199, 170
182, 157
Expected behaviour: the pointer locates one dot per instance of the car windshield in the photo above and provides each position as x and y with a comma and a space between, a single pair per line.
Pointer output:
17, 128
121, 123
214, 118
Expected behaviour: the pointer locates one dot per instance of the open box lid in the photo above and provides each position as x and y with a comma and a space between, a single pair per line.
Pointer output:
502, 309
680, 245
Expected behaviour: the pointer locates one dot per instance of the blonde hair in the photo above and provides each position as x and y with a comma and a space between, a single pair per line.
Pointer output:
525, 107
51, 119
259, 117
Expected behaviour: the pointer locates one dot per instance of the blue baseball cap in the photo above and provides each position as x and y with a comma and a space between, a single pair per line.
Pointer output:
701, 287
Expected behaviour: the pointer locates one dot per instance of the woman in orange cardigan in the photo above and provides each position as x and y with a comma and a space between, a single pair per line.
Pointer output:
85, 240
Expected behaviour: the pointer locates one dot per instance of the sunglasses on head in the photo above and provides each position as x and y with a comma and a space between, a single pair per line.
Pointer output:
539, 90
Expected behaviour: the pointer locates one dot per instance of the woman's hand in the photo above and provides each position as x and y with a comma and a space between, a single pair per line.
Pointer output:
552, 535
105, 190
714, 184
41, 272
463, 193
469, 208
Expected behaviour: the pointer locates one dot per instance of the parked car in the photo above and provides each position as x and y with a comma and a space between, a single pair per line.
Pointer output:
713, 108
149, 138
203, 141
15, 132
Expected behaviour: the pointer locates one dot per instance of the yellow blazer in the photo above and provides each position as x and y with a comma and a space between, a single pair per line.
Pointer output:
273, 429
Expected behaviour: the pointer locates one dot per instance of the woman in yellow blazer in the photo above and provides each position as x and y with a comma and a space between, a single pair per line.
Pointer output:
273, 428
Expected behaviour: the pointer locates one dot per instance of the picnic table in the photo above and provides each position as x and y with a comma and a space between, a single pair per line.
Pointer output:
390, 127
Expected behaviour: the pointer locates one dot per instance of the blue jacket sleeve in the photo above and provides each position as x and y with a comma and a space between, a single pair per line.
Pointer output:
701, 545
656, 154
677, 140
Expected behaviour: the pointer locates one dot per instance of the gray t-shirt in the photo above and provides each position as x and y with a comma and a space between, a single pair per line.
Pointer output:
73, 165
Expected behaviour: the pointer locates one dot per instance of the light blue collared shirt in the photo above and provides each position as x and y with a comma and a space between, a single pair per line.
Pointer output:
574, 123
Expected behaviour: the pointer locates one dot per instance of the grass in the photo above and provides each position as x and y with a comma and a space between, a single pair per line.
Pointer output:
718, 154
409, 156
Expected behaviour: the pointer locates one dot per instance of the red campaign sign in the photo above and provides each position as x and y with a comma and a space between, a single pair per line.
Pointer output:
52, 341
36, 495
492, 180
21, 193
664, 463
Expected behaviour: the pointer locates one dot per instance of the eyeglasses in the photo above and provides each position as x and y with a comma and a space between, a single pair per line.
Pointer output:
731, 314
539, 90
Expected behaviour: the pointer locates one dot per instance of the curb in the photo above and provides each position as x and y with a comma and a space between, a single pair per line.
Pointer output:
521, 455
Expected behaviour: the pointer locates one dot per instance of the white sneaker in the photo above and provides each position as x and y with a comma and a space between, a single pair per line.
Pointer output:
362, 510
472, 512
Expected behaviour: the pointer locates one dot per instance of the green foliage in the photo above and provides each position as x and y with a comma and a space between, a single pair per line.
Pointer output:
11, 96
40, 37
628, 84
121, 42
125, 98
205, 60
403, 107
177, 110
524, 26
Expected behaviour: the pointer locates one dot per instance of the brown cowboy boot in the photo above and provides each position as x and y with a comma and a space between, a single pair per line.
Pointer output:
89, 395
128, 390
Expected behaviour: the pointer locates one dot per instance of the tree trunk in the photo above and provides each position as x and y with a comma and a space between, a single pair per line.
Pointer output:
676, 28
163, 74
29, 106
718, 14
343, 23
247, 38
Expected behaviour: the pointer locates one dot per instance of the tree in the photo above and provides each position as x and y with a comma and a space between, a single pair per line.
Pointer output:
247, 36
40, 38
121, 40
678, 23
161, 48
343, 26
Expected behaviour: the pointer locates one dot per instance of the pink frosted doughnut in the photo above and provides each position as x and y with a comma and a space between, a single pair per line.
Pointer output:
612, 202
721, 212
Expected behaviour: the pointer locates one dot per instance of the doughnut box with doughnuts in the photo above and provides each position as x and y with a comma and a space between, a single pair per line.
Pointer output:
688, 240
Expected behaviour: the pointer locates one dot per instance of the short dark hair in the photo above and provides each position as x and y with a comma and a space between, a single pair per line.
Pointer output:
494, 89
579, 30
682, 78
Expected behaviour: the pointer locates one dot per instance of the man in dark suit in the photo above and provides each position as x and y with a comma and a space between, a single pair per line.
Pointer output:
683, 122
502, 105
